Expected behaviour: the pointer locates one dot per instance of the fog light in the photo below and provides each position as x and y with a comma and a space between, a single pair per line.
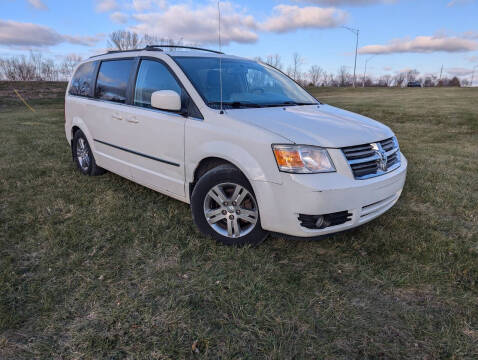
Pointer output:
319, 222
325, 220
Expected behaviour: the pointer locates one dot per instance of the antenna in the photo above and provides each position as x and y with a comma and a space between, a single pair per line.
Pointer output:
220, 58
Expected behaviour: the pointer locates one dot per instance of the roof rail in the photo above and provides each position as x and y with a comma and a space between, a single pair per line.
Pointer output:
154, 47
157, 48
122, 51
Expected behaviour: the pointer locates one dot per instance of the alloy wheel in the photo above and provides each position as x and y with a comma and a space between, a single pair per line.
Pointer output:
83, 154
231, 210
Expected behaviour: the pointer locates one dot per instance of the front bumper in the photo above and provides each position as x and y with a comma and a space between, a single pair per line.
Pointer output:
317, 194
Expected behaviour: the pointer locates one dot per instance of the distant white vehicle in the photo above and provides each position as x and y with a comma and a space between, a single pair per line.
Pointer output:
246, 146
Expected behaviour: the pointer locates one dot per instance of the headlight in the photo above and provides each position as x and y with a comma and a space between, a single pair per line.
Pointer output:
302, 159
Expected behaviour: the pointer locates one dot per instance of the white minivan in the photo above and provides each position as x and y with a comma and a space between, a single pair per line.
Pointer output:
245, 145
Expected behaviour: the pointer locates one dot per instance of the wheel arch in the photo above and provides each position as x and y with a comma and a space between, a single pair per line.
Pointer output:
78, 124
74, 129
207, 164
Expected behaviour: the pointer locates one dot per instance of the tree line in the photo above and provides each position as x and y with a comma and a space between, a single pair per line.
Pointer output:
35, 67
316, 76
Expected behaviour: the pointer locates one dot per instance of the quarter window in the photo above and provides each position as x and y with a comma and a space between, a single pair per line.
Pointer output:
113, 79
153, 76
81, 83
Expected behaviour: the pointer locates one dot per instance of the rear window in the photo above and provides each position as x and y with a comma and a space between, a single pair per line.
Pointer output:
113, 79
83, 80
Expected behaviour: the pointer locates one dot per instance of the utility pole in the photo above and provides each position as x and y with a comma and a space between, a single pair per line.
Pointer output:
365, 70
356, 33
473, 75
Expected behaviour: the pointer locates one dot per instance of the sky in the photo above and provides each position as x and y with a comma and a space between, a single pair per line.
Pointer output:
395, 35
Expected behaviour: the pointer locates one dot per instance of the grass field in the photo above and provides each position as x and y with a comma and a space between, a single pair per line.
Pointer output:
99, 267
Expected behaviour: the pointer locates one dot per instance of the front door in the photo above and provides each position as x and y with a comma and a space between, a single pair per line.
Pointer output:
155, 137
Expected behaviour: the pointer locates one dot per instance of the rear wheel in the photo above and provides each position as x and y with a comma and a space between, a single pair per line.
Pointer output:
83, 156
225, 208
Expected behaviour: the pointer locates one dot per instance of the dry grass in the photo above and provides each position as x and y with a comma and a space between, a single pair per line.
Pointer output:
104, 268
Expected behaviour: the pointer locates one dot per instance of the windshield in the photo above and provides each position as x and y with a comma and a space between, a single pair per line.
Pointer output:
245, 83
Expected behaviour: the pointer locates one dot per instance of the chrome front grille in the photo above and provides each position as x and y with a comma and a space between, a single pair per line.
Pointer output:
375, 159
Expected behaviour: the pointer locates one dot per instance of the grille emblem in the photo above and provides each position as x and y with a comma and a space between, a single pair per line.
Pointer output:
382, 156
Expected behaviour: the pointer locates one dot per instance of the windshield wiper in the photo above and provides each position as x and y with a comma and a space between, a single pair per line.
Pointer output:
291, 103
236, 104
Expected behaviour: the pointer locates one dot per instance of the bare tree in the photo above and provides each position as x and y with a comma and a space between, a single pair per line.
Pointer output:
18, 68
68, 65
315, 75
328, 79
294, 69
399, 79
429, 81
36, 59
368, 81
48, 71
344, 77
274, 60
412, 75
148, 39
385, 80
128, 40
124, 40
31, 68
454, 82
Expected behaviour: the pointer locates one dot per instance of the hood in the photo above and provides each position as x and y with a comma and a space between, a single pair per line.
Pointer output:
321, 125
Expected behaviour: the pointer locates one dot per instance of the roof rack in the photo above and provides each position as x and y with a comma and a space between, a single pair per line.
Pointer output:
157, 48
122, 51
154, 47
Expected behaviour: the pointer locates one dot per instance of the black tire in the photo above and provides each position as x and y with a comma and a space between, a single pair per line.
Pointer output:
79, 140
220, 175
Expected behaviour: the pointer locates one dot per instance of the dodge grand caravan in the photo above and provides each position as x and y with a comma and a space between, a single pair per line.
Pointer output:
249, 149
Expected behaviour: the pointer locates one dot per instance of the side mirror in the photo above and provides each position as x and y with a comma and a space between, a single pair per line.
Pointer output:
166, 100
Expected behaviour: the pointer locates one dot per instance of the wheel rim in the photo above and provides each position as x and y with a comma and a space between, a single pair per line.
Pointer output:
231, 210
82, 154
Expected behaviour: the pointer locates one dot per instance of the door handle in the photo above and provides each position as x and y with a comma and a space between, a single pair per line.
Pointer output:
116, 117
132, 120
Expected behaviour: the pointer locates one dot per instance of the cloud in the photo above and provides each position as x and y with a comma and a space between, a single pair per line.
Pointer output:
119, 17
198, 24
458, 71
347, 2
458, 2
38, 4
423, 44
290, 17
141, 5
106, 5
14, 33
471, 34
83, 40
473, 59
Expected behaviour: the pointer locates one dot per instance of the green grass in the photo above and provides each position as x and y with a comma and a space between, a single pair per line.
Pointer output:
99, 267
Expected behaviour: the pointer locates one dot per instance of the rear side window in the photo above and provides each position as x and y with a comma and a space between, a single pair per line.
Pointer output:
83, 80
153, 76
113, 79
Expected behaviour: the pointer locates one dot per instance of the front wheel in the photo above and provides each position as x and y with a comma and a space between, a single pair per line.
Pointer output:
225, 208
